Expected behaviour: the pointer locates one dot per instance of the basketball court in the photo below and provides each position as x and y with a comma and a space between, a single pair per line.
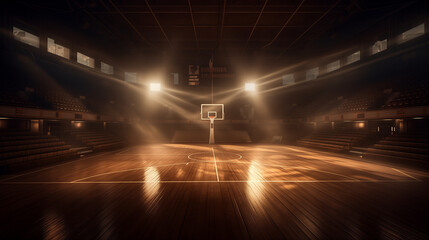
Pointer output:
243, 190
214, 119
186, 163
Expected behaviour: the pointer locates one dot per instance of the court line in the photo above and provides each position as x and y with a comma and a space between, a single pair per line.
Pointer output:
127, 170
406, 174
217, 173
235, 159
340, 175
190, 158
57, 165
222, 181
214, 157
347, 157
138, 154
328, 154
215, 161
286, 166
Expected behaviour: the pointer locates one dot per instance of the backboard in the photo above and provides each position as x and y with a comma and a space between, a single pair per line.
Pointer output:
214, 110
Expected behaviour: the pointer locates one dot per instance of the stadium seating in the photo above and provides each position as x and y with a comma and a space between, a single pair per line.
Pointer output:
53, 97
65, 102
416, 95
12, 97
57, 98
97, 140
356, 103
20, 150
54, 101
405, 146
333, 140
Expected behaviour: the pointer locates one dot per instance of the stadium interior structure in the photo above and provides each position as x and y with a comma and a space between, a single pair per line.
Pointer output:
324, 133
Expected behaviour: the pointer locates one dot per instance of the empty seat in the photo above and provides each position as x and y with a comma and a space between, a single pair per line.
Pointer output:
21, 150
97, 140
407, 146
337, 141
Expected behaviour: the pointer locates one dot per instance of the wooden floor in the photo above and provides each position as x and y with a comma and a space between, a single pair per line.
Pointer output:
178, 191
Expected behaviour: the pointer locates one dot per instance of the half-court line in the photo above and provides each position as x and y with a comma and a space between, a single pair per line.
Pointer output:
214, 158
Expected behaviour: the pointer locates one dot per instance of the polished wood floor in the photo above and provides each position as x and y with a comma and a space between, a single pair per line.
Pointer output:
178, 191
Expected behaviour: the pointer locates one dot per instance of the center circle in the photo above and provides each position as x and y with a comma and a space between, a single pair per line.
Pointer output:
220, 156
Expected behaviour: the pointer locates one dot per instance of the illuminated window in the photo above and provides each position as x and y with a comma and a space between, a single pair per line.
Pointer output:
26, 37
333, 66
288, 79
379, 46
312, 73
413, 33
131, 77
106, 68
353, 57
57, 49
85, 60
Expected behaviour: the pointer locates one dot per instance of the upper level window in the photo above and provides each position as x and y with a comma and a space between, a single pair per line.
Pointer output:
353, 57
413, 33
333, 66
57, 49
379, 46
175, 78
26, 37
312, 73
130, 77
106, 68
85, 60
288, 79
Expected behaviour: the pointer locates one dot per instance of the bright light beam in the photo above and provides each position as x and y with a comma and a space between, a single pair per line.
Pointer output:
155, 87
249, 87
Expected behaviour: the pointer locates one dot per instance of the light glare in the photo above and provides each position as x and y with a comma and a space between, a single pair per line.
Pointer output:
249, 87
155, 87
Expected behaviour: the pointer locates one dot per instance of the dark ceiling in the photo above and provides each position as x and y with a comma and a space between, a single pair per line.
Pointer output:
198, 29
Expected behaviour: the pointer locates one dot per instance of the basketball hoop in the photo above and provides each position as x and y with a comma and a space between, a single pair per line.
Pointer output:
212, 112
212, 115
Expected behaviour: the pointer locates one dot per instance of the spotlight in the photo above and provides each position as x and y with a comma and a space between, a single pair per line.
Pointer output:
249, 87
155, 87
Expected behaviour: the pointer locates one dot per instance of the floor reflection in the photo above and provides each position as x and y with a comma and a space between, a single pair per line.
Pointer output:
151, 187
255, 186
162, 194
53, 226
106, 220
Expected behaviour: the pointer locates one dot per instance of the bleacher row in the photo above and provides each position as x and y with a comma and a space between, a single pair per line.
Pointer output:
402, 147
16, 98
335, 141
61, 102
412, 97
96, 140
21, 150
30, 98
359, 102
